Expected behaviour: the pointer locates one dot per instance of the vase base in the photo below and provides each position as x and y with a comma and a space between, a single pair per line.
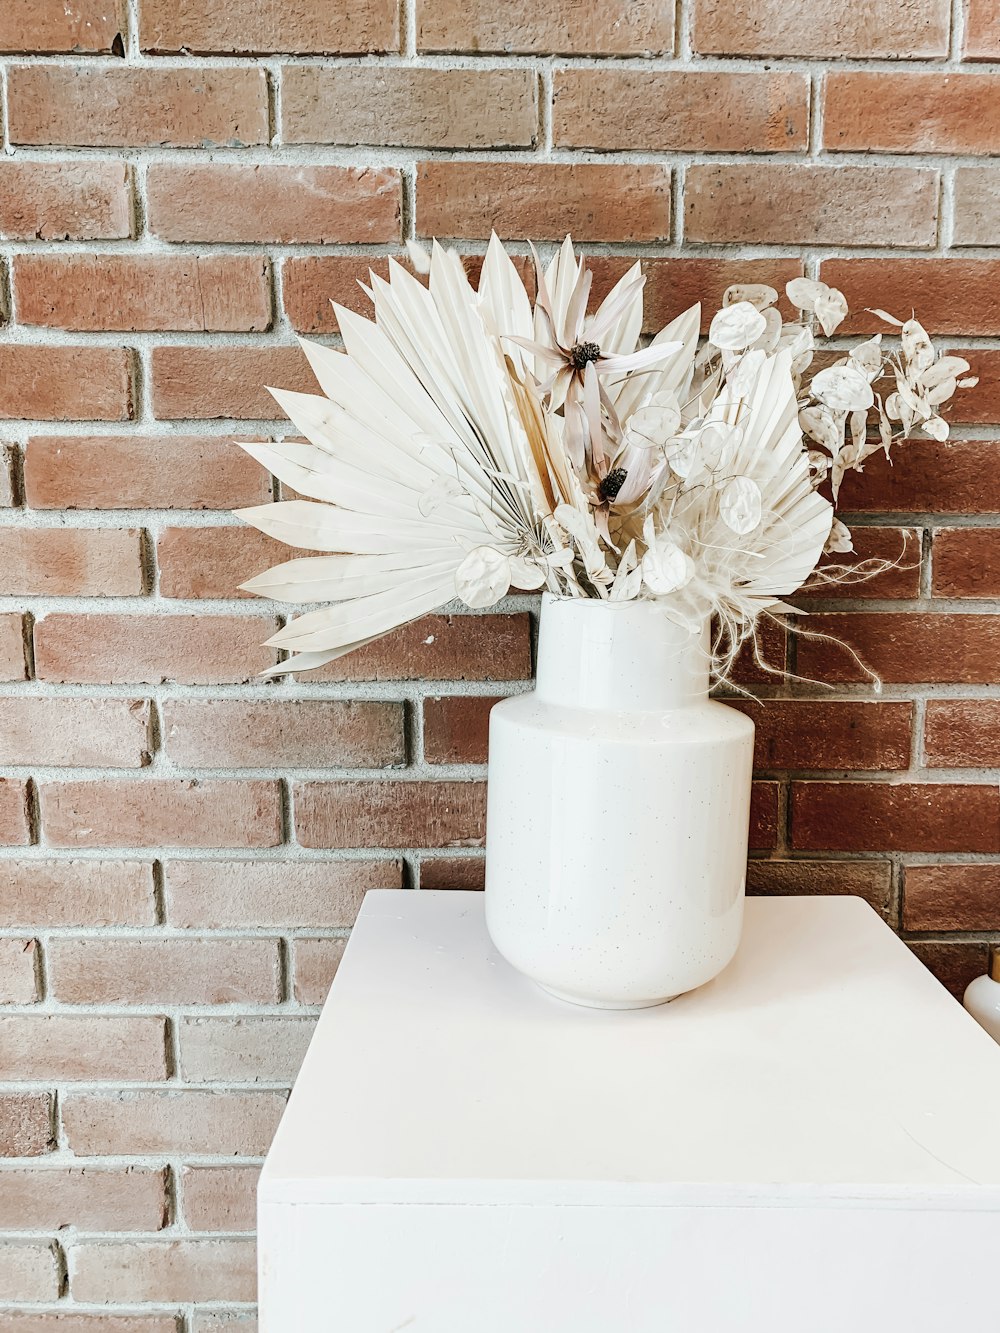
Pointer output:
603, 1004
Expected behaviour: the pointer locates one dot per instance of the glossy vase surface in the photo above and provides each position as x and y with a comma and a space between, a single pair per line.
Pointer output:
618, 810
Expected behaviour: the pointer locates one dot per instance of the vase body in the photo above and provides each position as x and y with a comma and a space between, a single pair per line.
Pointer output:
618, 810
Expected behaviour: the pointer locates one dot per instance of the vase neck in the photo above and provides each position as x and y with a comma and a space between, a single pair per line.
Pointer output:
625, 656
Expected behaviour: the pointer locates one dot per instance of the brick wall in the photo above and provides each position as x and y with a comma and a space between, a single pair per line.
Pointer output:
182, 187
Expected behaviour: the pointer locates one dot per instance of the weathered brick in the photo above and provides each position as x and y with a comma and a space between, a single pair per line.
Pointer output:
390, 814
41, 893
924, 476
909, 817
206, 382
70, 562
18, 973
966, 562
65, 383
456, 729
164, 971
543, 200
118, 649
141, 472
84, 27
452, 872
225, 293
12, 664
949, 295
26, 1124
962, 733
28, 1271
224, 1321
834, 29
170, 812
659, 110
219, 1198
36, 1046
863, 111
977, 206
900, 547
189, 1122
281, 204
75, 733
952, 897
105, 107
46, 1198
72, 200
954, 963
23, 1321
871, 880
213, 562
271, 893
314, 965
243, 1050
607, 27
770, 203
491, 647
229, 733
162, 1271
15, 829
801, 733
982, 30
412, 107
307, 27
902, 648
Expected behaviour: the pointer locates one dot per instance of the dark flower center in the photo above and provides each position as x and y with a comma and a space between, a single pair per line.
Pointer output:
612, 483
581, 353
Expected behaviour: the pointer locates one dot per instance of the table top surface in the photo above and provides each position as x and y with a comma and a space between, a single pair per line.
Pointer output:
825, 1063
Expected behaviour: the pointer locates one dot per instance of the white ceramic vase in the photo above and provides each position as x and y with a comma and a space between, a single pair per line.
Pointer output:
618, 810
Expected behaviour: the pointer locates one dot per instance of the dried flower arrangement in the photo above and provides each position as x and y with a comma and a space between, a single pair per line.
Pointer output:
468, 442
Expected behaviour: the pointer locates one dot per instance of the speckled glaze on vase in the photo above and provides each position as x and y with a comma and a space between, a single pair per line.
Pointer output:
618, 810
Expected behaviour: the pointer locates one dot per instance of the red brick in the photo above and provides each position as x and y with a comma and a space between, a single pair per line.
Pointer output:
171, 812
390, 814
956, 477
231, 733
134, 472
967, 562
243, 1049
954, 964
84, 27
124, 649
205, 382
902, 647
543, 200
949, 295
962, 733
26, 1124
952, 897
77, 893
908, 817
65, 383
901, 547
34, 1047
70, 562
608, 27
800, 733
871, 880
770, 203
664, 110
18, 975
412, 107
72, 200
164, 971
12, 664
281, 204
28, 1271
307, 27
981, 405
977, 206
314, 965
75, 733
863, 111
228, 293
47, 1198
15, 830
982, 30
219, 1198
462, 872
490, 647
764, 816
325, 894
213, 562
191, 1122
835, 29
456, 729
166, 1272
107, 107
